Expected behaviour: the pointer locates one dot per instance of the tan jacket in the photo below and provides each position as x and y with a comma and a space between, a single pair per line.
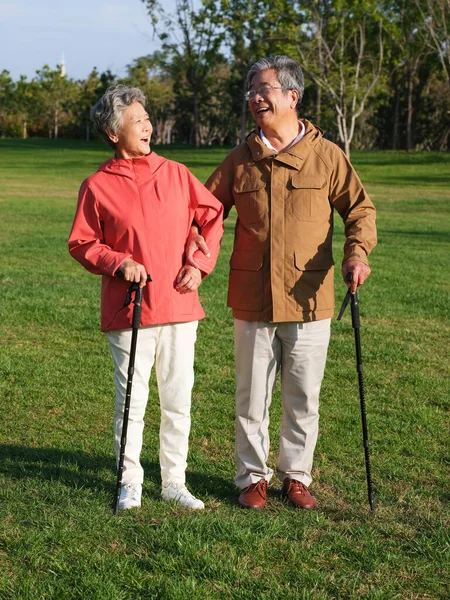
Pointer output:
282, 262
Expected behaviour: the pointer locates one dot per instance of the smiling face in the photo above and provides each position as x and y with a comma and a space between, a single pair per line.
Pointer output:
133, 138
275, 109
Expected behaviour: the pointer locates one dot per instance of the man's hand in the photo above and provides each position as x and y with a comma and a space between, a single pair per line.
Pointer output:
133, 271
188, 280
195, 242
360, 272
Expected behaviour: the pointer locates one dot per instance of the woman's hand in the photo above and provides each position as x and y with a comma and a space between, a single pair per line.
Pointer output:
133, 271
188, 279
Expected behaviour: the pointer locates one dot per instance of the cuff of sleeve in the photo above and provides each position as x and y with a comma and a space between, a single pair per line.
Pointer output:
206, 264
356, 257
112, 261
355, 254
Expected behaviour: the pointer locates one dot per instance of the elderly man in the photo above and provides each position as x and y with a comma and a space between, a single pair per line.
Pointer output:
285, 180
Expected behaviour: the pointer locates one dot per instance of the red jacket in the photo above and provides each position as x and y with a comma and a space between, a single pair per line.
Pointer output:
143, 209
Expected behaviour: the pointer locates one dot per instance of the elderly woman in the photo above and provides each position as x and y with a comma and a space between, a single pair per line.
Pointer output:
133, 217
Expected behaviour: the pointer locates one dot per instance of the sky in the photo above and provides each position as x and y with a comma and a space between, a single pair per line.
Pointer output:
107, 34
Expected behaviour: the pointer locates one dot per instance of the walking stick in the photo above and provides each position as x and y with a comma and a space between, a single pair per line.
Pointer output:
356, 326
136, 321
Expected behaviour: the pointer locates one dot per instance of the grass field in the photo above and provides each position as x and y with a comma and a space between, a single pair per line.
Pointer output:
58, 536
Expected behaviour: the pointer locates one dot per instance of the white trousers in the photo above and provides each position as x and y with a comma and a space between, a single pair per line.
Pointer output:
171, 349
299, 351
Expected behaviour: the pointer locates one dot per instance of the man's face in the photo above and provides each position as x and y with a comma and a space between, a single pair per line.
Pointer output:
133, 138
273, 107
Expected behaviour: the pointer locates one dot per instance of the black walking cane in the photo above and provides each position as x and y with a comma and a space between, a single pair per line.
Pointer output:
136, 321
356, 326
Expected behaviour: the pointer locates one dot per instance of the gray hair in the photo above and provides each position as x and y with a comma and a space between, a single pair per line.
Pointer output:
108, 112
289, 73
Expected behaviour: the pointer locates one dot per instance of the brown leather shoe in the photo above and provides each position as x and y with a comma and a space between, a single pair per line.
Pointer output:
254, 495
298, 494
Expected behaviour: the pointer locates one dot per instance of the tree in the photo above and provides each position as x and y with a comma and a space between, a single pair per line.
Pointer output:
152, 76
436, 18
410, 66
239, 21
193, 53
6, 100
56, 93
251, 29
244, 25
25, 108
89, 94
334, 44
432, 133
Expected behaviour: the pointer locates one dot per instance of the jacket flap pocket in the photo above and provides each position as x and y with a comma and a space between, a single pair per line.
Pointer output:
320, 261
246, 260
299, 181
249, 182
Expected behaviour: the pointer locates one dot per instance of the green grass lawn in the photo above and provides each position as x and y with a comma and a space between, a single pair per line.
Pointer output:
59, 538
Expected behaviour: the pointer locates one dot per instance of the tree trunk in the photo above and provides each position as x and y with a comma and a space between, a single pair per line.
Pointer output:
88, 131
56, 123
318, 104
25, 132
344, 137
443, 146
347, 148
196, 123
409, 120
396, 115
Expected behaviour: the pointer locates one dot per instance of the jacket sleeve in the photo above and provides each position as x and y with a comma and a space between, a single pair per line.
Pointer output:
349, 198
208, 214
220, 184
86, 240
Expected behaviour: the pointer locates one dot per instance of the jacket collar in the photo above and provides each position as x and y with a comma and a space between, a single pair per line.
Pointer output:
295, 155
127, 167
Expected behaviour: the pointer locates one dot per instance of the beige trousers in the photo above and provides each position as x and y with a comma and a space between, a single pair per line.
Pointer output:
298, 351
171, 349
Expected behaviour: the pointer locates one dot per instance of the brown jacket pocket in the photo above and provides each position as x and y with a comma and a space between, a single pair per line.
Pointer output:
303, 260
250, 199
246, 284
309, 197
313, 282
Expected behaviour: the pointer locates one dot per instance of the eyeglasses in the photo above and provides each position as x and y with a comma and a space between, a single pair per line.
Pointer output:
264, 91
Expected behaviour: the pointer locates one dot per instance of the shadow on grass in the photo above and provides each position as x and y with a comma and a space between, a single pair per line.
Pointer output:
411, 180
80, 470
437, 236
396, 158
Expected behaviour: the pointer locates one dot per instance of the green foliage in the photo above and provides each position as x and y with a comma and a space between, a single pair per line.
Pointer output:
194, 63
376, 73
341, 48
152, 76
59, 538
56, 94
6, 102
89, 91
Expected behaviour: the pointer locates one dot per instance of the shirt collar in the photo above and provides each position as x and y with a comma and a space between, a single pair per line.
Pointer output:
297, 139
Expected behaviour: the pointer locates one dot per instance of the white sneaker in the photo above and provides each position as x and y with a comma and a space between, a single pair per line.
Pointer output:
130, 496
181, 495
